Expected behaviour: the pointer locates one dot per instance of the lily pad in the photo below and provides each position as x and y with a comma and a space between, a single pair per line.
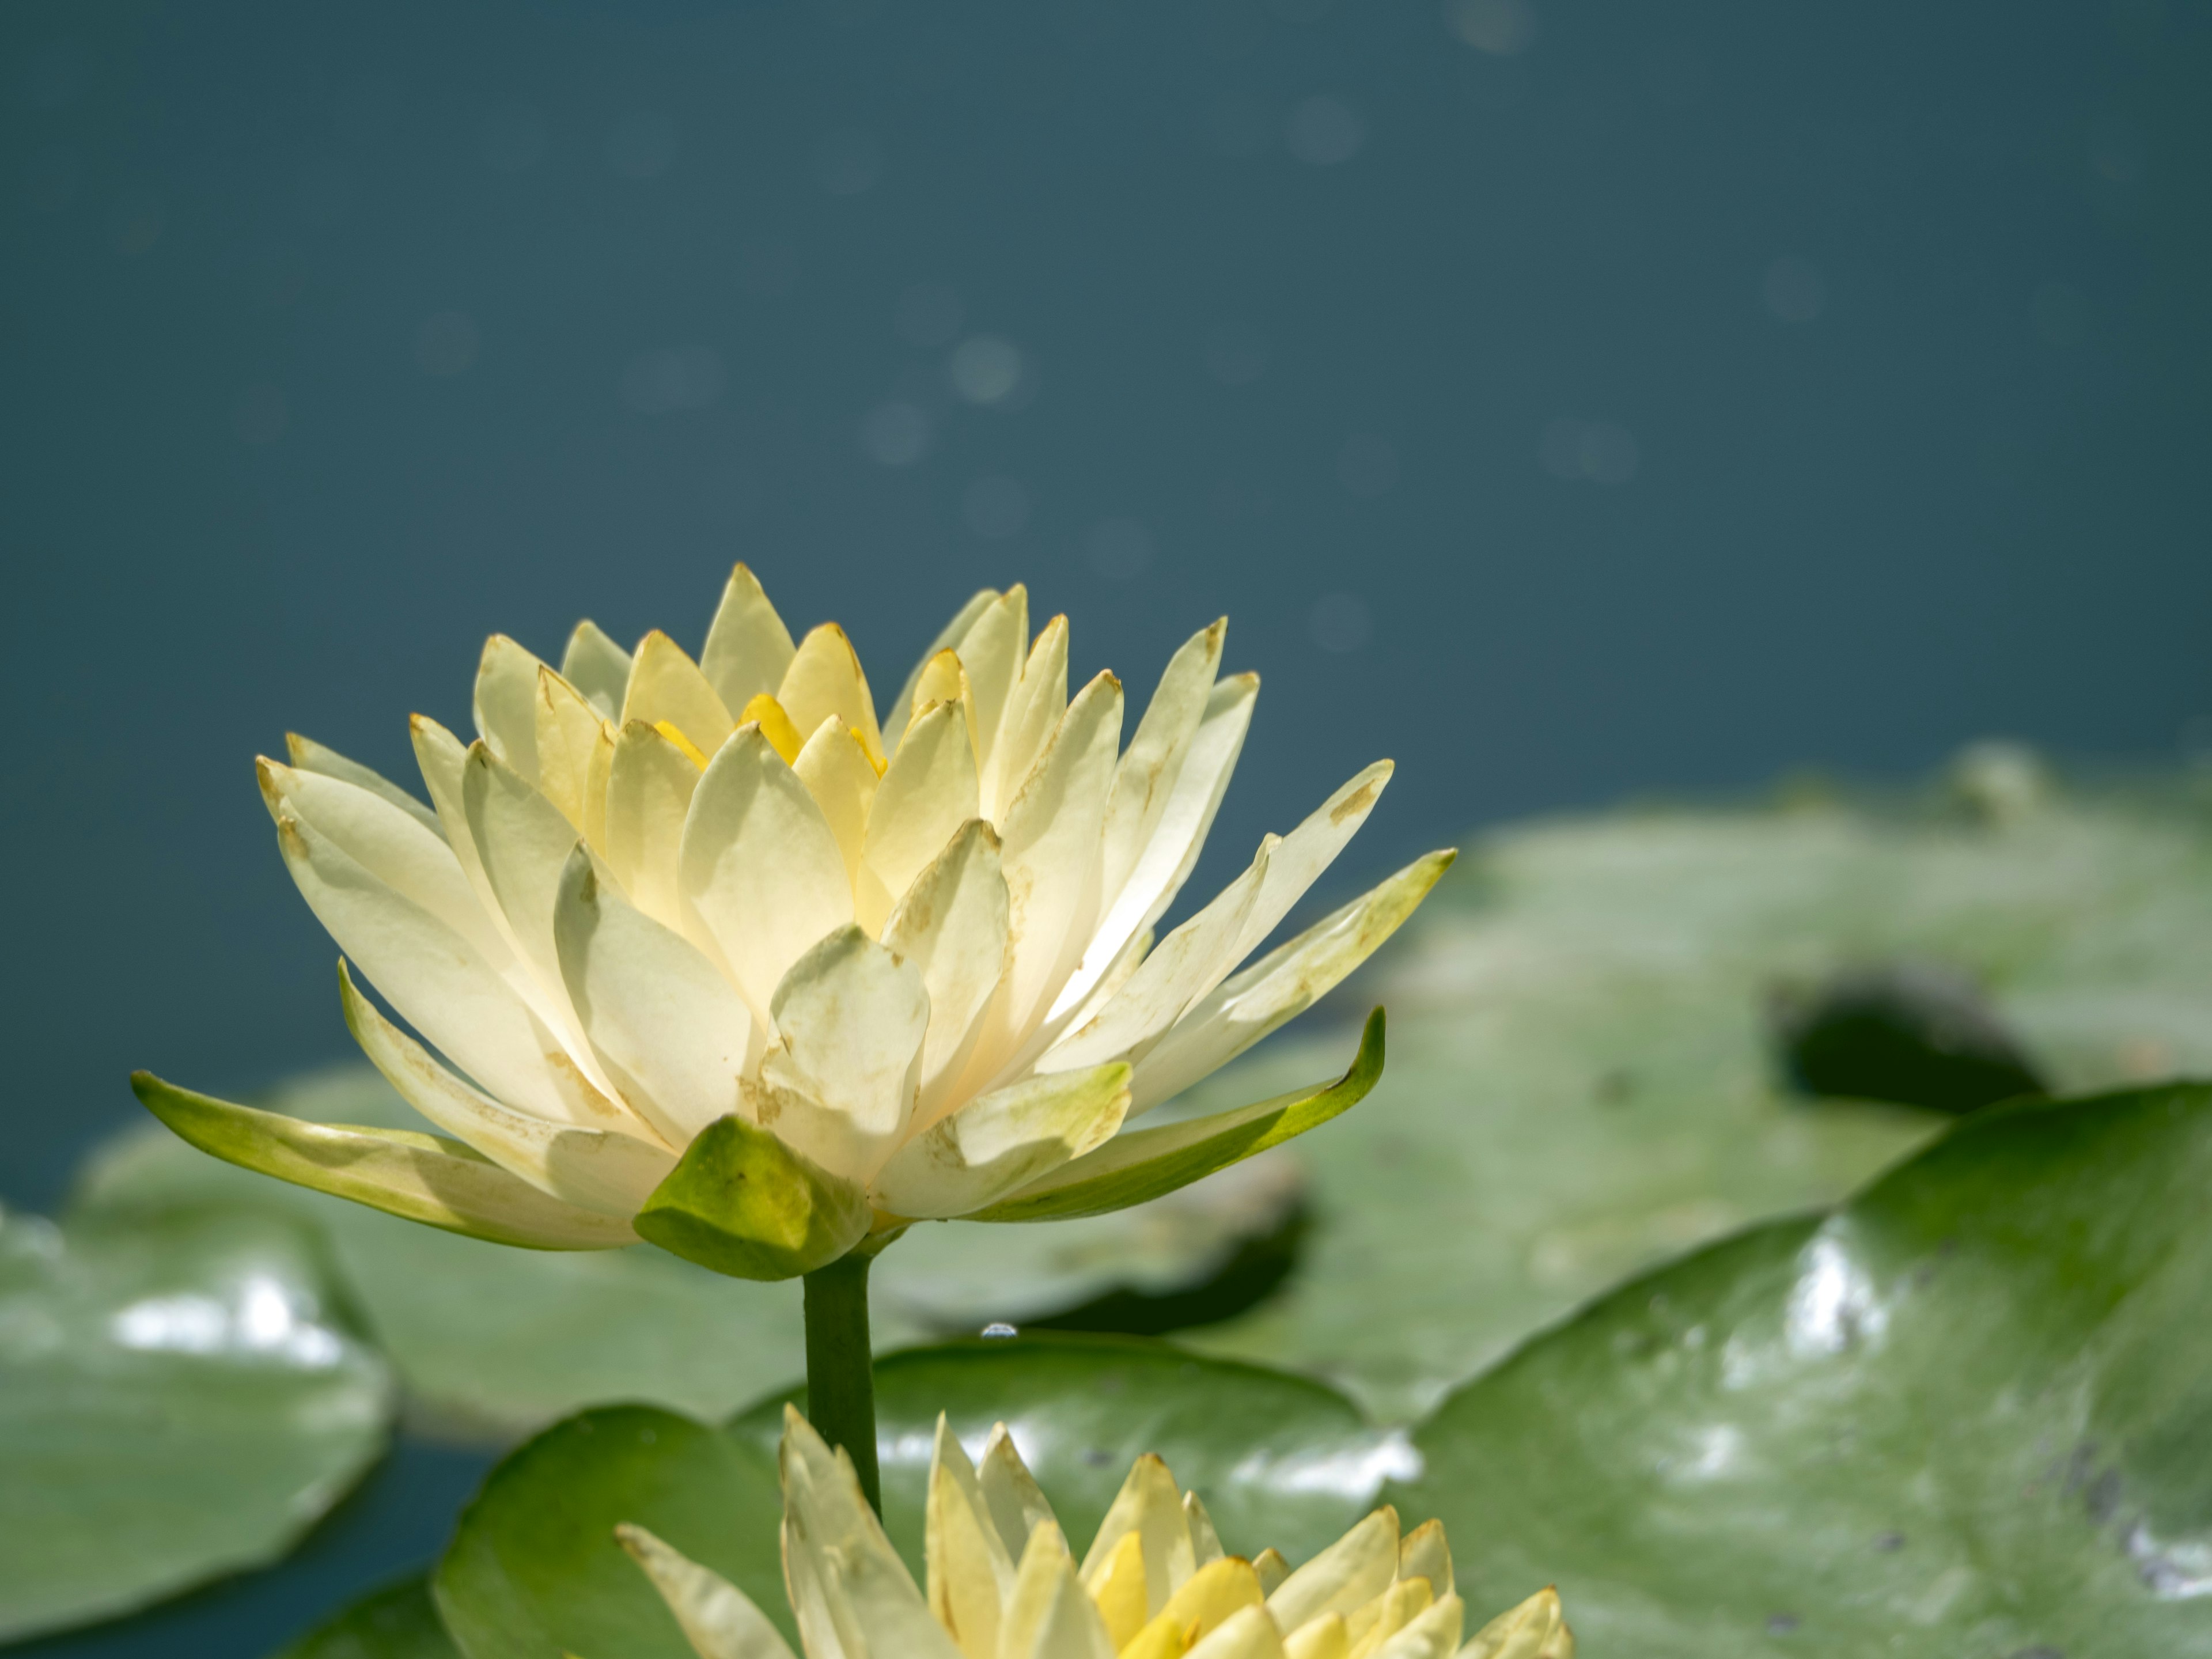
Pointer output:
399, 1621
534, 1569
176, 1402
1584, 1080
1968, 1413
492, 1342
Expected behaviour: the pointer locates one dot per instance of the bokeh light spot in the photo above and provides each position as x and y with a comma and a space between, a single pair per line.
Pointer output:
1339, 623
1324, 131
985, 368
1503, 29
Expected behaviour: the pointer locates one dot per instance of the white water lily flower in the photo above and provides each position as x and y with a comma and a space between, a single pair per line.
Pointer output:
1003, 1584
717, 958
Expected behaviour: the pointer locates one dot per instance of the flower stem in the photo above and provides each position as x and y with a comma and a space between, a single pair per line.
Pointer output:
841, 1379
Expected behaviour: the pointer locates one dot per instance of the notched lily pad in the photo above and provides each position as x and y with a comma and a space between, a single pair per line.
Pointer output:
176, 1402
1969, 1412
1583, 1079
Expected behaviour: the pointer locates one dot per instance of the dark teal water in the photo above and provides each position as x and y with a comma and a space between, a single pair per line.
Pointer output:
1570, 398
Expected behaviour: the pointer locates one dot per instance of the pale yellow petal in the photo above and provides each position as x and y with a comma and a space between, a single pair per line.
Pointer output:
523, 843
971, 1574
1281, 985
775, 726
570, 733
1426, 1553
824, 678
1432, 1634
610, 1170
1204, 1541
999, 1142
666, 684
992, 653
716, 1617
1117, 1590
1144, 780
951, 925
1325, 1638
308, 755
1272, 1568
760, 868
941, 679
834, 765
839, 1085
650, 783
1298, 858
1250, 1634
1537, 1629
901, 709
748, 647
507, 703
1345, 1577
927, 794
1034, 709
1017, 1505
1148, 1505
666, 1027
1392, 1611
1048, 1616
598, 667
1213, 1595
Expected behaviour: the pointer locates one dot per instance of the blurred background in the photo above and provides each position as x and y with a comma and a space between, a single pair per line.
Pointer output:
1568, 397
1572, 398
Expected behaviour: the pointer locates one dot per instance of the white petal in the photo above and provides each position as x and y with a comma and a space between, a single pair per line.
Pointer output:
439, 982
1001, 1141
846, 1582
1300, 858
1035, 708
598, 667
569, 730
1019, 1506
902, 708
1144, 780
650, 783
665, 684
1189, 962
840, 1084
952, 926
716, 1617
760, 868
927, 792
523, 843
834, 765
612, 1173
824, 678
668, 1031
1168, 858
507, 703
1280, 985
748, 647
308, 755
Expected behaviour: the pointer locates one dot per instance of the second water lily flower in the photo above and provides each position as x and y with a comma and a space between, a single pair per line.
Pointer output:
1002, 1582
717, 958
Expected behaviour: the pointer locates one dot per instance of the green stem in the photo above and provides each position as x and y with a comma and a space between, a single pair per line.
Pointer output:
840, 1378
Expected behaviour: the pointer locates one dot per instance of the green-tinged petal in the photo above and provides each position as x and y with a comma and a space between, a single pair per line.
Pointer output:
839, 1086
610, 1170
598, 667
1281, 985
399, 1621
748, 647
425, 1178
507, 703
1146, 1163
308, 755
718, 1619
1002, 1141
746, 1205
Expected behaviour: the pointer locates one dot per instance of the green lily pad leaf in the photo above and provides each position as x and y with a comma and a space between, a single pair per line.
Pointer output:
176, 1403
1141, 1164
485, 1337
1968, 1413
1585, 1079
399, 1621
534, 1570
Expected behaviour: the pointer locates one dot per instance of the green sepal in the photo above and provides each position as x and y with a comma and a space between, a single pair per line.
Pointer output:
423, 1178
744, 1204
1138, 1166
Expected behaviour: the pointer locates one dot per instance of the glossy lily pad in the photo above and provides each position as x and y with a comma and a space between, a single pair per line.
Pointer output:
534, 1570
399, 1621
1970, 1412
1584, 1078
176, 1402
492, 1342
